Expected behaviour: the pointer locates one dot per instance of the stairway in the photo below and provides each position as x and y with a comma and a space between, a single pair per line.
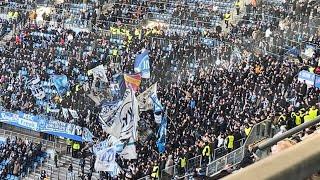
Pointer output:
61, 172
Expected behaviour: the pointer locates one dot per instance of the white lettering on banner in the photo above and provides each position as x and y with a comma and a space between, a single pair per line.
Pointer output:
105, 160
30, 124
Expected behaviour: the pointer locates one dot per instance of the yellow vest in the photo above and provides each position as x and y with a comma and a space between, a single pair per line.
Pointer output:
206, 151
247, 130
155, 172
183, 162
308, 118
77, 87
16, 14
297, 119
114, 52
69, 142
313, 113
237, 4
282, 118
227, 17
230, 141
311, 69
76, 146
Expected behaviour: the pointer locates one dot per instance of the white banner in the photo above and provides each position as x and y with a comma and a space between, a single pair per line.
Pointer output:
74, 114
36, 88
99, 73
65, 113
122, 121
129, 151
106, 160
145, 102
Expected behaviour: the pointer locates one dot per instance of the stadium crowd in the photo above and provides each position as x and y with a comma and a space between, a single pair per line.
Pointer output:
18, 157
209, 107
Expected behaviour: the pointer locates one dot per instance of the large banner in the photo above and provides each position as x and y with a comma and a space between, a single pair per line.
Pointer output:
307, 77
106, 160
317, 82
121, 120
46, 125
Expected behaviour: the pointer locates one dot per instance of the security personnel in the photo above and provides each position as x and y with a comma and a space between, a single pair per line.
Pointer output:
282, 119
296, 118
206, 153
69, 145
77, 87
308, 117
227, 18
237, 4
155, 172
230, 142
75, 149
183, 164
314, 112
311, 69
247, 130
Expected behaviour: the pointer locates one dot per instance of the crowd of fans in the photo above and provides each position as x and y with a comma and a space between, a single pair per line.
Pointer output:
211, 106
19, 157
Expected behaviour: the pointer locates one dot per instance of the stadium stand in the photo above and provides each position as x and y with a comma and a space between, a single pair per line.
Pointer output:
221, 76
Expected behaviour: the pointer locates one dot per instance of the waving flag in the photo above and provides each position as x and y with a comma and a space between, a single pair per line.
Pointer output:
132, 81
37, 90
141, 64
61, 83
121, 121
157, 107
99, 73
162, 133
106, 160
145, 102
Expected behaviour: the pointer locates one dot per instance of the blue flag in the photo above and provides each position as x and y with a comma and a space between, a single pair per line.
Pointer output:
61, 83
162, 133
157, 107
141, 64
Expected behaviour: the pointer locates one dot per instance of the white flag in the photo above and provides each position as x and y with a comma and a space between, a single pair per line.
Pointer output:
129, 151
35, 86
105, 160
145, 102
65, 113
157, 118
74, 114
122, 121
99, 73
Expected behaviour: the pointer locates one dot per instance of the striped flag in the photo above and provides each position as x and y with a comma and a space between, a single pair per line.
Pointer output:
132, 81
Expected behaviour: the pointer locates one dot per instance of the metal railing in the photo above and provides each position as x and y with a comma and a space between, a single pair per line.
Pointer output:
233, 158
47, 144
259, 132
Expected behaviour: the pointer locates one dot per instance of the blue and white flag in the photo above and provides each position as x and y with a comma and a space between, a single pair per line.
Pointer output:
61, 83
122, 119
141, 64
106, 160
157, 107
35, 86
162, 133
99, 73
65, 113
74, 114
145, 102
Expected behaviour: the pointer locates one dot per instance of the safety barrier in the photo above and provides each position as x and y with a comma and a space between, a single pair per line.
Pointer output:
233, 158
47, 144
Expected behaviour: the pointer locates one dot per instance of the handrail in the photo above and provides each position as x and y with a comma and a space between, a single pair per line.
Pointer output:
46, 143
287, 134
